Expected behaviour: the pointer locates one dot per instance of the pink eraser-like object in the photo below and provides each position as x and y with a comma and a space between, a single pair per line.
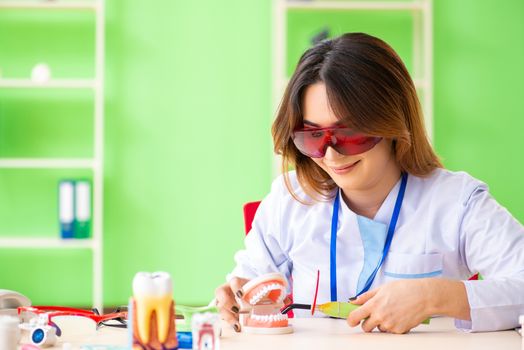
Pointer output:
30, 347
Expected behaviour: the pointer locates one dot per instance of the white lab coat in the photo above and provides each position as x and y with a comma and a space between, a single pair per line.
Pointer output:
449, 226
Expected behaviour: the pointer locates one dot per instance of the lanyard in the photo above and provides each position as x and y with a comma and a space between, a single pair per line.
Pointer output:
389, 238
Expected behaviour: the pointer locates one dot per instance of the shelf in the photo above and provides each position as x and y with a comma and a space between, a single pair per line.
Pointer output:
352, 5
38, 243
51, 84
51, 163
49, 5
93, 85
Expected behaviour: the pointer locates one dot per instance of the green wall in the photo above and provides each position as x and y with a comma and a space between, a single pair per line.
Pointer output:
479, 96
188, 114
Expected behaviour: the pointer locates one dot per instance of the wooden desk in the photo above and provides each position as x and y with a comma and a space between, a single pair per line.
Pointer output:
321, 333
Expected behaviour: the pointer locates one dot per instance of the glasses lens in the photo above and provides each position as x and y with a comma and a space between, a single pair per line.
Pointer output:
349, 143
117, 322
118, 318
27, 316
312, 143
74, 325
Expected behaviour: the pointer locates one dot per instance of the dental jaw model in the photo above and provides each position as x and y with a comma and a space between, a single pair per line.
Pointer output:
263, 296
152, 312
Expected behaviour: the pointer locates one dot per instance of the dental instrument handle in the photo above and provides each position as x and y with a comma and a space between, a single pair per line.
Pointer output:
290, 307
342, 309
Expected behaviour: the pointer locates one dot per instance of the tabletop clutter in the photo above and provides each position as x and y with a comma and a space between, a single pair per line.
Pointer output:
150, 319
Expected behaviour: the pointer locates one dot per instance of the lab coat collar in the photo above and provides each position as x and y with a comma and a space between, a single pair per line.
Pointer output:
383, 214
385, 211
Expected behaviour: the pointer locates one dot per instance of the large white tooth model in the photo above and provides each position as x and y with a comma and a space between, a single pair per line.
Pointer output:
152, 312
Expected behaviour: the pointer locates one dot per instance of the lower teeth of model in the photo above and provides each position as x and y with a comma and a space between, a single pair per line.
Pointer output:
269, 318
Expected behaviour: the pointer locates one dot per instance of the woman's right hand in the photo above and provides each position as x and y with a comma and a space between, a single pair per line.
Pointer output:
226, 302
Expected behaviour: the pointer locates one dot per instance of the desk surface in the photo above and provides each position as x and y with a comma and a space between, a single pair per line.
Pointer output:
320, 333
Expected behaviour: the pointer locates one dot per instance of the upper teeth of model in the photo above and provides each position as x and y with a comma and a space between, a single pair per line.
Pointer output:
152, 293
265, 290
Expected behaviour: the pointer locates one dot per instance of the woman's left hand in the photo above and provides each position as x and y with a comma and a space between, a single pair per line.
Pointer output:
395, 307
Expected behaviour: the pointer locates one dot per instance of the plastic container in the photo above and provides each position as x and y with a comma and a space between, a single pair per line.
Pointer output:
9, 332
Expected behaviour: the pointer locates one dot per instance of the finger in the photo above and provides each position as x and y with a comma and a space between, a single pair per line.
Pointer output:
399, 330
231, 318
362, 298
386, 326
236, 284
226, 299
369, 324
356, 316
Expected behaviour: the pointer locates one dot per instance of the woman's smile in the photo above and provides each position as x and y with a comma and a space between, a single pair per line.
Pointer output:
343, 169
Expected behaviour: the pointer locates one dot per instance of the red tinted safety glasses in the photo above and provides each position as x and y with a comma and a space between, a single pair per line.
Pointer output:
313, 142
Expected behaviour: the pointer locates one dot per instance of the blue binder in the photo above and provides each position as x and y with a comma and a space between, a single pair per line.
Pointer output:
66, 208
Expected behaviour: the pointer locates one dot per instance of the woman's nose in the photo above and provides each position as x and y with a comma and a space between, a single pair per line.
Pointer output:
332, 154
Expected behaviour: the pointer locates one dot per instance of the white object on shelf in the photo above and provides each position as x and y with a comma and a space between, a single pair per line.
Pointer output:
41, 73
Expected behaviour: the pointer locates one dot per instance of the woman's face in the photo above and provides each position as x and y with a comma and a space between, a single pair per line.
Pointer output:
351, 173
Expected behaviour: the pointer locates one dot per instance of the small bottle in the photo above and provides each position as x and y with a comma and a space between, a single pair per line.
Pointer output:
206, 331
9, 332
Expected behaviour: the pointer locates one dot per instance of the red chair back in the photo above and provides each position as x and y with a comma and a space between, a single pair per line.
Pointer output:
250, 209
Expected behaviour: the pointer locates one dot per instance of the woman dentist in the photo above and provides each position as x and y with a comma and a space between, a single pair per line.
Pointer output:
370, 205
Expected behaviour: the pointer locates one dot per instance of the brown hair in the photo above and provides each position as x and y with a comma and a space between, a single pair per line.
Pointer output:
369, 89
